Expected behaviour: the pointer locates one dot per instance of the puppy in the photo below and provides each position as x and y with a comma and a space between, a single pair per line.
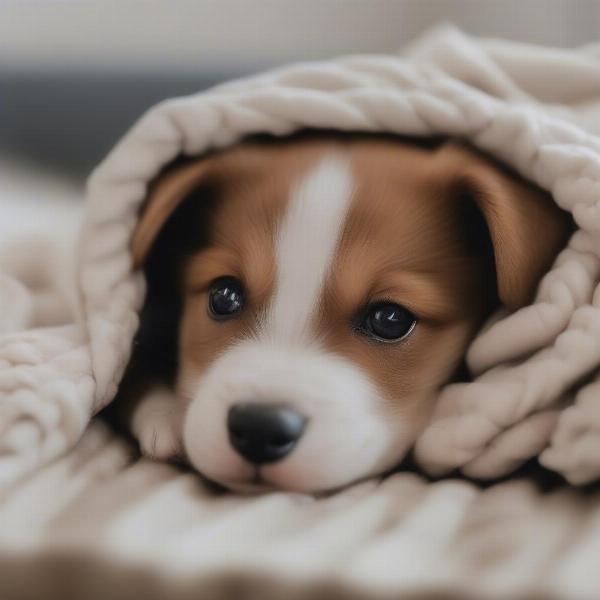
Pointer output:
308, 297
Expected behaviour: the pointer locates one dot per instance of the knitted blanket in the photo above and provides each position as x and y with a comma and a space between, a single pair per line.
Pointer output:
533, 390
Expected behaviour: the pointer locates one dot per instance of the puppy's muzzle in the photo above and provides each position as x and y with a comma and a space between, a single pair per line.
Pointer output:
264, 433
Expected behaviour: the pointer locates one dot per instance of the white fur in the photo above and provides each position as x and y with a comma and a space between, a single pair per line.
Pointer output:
306, 243
349, 434
156, 422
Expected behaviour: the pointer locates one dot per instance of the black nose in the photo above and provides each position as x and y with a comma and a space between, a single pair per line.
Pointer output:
264, 433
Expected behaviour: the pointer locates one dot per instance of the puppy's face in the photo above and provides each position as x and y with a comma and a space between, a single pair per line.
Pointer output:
334, 294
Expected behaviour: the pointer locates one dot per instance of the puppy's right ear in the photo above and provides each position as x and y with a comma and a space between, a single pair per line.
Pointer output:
164, 196
524, 225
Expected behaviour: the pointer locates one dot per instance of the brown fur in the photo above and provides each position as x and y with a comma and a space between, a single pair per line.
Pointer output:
416, 235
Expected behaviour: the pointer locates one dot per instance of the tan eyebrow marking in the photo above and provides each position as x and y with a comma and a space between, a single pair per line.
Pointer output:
421, 294
207, 265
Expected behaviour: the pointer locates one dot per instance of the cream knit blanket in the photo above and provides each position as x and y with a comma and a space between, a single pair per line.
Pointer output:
533, 391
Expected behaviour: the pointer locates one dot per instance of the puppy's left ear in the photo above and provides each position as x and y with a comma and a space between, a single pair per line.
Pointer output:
164, 196
524, 225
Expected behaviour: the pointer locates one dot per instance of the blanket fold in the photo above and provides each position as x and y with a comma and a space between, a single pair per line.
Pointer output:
533, 391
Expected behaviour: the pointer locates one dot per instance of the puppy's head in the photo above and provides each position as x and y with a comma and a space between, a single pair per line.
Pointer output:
334, 289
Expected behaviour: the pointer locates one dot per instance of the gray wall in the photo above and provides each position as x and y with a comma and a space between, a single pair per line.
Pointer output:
75, 73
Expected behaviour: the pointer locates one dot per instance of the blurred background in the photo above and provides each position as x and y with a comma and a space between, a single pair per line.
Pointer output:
74, 74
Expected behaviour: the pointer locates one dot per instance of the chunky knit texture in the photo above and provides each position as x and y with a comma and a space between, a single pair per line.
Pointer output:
535, 109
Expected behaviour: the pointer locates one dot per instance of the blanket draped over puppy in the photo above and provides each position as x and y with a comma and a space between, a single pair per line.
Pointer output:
533, 391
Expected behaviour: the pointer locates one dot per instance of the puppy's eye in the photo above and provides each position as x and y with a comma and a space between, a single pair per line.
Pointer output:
388, 322
225, 298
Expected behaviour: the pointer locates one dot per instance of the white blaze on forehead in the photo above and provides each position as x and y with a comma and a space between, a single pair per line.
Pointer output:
306, 243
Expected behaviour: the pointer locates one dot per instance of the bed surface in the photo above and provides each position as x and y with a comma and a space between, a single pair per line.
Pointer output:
103, 522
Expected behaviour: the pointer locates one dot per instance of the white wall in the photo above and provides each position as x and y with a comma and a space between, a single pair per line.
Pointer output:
245, 34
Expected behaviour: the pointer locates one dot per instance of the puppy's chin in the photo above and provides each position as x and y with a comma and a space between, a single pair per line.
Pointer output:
251, 487
284, 480
351, 432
